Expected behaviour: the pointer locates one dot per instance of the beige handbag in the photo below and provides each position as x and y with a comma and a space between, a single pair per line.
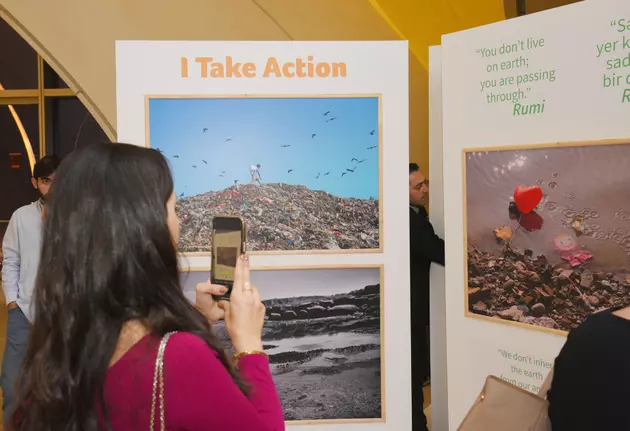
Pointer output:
158, 384
502, 406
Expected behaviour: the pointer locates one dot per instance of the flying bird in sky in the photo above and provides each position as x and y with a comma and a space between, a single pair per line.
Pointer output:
204, 161
235, 181
361, 161
326, 174
205, 129
289, 171
157, 149
222, 172
317, 175
182, 195
313, 135
327, 112
228, 139
195, 166
372, 132
345, 173
221, 175
331, 119
284, 146
371, 148
176, 157
351, 170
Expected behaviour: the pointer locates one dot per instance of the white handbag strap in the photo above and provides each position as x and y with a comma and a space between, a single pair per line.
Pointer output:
158, 383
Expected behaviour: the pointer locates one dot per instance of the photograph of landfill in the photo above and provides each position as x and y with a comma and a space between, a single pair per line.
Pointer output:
323, 336
547, 233
302, 171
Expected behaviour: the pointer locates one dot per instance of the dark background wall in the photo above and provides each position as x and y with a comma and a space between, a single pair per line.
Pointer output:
67, 124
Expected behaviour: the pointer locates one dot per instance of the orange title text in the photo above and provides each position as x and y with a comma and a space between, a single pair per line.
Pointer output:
228, 67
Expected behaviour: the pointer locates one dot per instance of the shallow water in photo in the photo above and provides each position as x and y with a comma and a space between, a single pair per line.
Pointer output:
591, 182
324, 341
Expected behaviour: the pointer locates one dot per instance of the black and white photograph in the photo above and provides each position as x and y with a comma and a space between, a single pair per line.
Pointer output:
323, 337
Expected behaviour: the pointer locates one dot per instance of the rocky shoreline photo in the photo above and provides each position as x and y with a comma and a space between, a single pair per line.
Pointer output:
521, 287
325, 354
322, 333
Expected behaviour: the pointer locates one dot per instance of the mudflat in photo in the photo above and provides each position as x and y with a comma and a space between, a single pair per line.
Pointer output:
323, 336
303, 172
547, 233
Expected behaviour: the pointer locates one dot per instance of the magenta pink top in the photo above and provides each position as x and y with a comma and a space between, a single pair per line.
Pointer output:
199, 393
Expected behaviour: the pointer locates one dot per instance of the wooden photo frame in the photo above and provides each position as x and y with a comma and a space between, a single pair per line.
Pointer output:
312, 207
331, 372
550, 267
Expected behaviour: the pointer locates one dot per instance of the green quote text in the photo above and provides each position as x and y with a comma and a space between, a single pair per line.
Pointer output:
510, 78
525, 371
615, 55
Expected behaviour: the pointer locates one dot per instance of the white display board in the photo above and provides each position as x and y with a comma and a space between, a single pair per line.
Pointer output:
521, 86
333, 195
439, 380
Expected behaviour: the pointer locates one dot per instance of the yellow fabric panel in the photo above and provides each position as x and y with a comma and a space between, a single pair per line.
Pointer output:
423, 23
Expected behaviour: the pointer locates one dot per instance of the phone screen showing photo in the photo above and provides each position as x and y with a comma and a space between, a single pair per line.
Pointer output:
226, 247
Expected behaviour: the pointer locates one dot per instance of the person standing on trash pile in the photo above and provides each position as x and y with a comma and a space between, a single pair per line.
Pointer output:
254, 171
425, 248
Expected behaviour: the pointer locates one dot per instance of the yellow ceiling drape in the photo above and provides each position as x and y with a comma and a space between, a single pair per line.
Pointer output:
423, 22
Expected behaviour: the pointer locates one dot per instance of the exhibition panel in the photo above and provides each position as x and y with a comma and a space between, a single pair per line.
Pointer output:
304, 141
536, 144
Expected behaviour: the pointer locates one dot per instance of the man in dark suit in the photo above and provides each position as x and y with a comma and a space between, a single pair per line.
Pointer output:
425, 248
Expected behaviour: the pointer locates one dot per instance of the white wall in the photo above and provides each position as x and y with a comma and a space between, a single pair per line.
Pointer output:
439, 378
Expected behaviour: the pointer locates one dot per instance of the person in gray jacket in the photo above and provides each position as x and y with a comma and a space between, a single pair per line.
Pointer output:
21, 247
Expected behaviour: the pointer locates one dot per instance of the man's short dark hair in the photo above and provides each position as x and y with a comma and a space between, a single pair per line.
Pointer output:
413, 167
46, 166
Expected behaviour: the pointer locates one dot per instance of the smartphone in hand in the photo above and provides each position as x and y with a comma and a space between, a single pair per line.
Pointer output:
228, 243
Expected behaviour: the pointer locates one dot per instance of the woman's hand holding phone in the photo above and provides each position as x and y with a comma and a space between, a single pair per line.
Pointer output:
205, 300
245, 313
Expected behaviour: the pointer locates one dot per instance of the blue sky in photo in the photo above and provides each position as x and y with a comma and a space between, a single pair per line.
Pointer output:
247, 131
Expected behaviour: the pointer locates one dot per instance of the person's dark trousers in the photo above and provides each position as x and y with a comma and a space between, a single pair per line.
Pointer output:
18, 328
419, 367
428, 354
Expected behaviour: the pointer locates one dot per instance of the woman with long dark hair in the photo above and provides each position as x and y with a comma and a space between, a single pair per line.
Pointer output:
108, 296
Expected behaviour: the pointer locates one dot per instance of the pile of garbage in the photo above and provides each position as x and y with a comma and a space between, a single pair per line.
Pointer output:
282, 217
518, 286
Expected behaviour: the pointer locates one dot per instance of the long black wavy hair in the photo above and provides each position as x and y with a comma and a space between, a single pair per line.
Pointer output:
107, 258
